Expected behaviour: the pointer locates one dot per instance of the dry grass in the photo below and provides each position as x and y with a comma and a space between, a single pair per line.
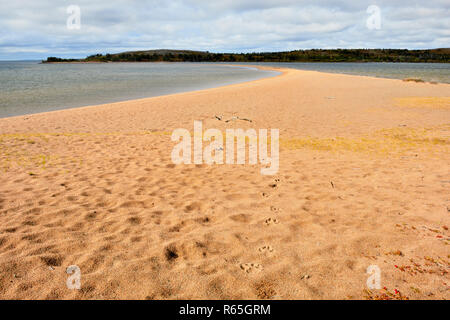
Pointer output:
387, 141
29, 150
424, 102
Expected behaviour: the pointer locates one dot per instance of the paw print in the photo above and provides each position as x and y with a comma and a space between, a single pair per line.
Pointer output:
251, 267
270, 221
266, 249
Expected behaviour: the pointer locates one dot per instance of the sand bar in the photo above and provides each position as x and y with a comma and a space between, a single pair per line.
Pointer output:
363, 180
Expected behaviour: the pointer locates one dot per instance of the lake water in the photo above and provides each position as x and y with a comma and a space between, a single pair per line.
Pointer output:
30, 87
432, 72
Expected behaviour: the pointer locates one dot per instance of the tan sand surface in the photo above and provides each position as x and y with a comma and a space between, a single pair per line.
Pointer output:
364, 180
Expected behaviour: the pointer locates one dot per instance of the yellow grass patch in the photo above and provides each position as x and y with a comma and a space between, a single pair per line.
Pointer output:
424, 102
395, 140
28, 150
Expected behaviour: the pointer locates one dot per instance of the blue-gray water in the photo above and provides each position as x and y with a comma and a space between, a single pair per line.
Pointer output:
431, 72
30, 87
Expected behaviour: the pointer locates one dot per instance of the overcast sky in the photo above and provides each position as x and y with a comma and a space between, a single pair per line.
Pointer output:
35, 29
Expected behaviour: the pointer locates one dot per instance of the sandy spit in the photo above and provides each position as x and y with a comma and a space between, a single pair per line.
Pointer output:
364, 180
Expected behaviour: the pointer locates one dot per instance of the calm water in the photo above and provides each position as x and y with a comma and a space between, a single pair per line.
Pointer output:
30, 87
438, 72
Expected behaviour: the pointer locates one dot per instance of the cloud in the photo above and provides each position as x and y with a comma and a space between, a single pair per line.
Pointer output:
37, 29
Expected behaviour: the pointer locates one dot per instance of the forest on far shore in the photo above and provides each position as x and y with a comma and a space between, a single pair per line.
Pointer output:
313, 55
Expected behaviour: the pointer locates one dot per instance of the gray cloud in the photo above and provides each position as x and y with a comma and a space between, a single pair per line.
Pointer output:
37, 29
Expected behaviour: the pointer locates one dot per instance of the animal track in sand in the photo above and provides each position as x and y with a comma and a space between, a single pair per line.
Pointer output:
251, 267
244, 218
266, 249
270, 221
134, 220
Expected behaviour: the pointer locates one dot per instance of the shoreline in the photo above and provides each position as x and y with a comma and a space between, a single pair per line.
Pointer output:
282, 72
312, 62
158, 96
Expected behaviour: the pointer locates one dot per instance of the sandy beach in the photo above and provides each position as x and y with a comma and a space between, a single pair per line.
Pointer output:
363, 180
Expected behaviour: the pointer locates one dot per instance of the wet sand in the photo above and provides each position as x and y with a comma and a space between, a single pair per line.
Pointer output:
363, 180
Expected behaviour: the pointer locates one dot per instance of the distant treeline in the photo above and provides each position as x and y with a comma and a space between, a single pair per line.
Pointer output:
314, 55
54, 59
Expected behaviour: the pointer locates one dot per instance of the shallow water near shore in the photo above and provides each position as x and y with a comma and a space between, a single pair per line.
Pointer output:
429, 72
28, 87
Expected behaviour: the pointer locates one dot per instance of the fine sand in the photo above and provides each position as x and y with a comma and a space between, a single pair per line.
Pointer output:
364, 180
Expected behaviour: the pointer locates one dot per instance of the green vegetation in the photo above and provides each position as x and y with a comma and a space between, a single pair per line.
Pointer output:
54, 59
314, 55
